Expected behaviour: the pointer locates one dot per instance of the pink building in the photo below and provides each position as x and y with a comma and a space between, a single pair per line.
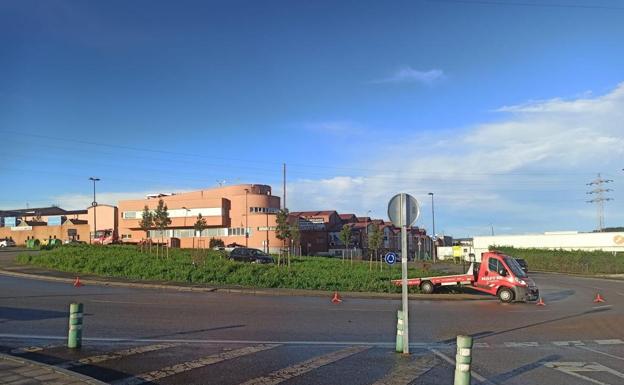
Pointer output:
242, 214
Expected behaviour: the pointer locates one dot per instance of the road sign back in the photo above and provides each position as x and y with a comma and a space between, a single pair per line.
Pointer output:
411, 213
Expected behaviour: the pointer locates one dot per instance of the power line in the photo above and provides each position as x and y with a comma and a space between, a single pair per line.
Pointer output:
527, 4
600, 198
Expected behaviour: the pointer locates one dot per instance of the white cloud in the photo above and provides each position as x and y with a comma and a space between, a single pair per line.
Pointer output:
526, 172
410, 75
337, 128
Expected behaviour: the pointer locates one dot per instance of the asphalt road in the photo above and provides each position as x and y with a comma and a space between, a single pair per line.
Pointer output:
134, 336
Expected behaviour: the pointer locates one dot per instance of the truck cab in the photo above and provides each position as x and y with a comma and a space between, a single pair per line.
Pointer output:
500, 275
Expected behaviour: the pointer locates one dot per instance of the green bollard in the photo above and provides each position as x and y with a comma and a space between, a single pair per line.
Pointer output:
399, 334
463, 359
74, 338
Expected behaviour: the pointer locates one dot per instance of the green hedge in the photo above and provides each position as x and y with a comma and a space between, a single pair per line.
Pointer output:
577, 261
319, 273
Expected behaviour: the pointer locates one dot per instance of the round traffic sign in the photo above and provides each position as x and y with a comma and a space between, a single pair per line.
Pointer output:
390, 258
403, 210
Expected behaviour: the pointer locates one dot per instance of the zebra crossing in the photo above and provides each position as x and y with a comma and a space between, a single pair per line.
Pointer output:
276, 363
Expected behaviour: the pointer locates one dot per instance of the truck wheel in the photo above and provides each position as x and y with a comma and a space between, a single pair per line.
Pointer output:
505, 295
426, 287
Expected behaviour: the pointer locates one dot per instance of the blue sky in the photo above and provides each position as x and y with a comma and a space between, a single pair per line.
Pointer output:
505, 111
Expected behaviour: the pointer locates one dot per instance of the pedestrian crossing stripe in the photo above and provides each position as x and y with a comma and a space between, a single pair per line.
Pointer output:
300, 368
115, 355
190, 365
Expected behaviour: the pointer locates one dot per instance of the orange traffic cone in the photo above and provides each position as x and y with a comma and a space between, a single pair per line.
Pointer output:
336, 298
540, 302
77, 282
598, 298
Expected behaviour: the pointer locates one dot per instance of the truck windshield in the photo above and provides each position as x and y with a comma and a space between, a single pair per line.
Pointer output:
515, 268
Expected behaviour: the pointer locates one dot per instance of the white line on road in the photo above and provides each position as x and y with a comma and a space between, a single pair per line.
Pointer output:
603, 353
125, 302
520, 344
451, 361
602, 307
610, 342
33, 349
116, 355
190, 365
300, 368
407, 370
573, 369
568, 343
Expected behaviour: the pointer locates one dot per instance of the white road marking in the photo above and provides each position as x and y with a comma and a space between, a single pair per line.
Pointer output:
603, 353
32, 349
124, 302
573, 369
602, 307
190, 365
452, 362
300, 368
407, 370
610, 342
116, 355
480, 345
520, 344
568, 343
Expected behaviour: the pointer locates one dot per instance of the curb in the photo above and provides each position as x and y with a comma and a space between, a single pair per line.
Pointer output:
253, 291
72, 375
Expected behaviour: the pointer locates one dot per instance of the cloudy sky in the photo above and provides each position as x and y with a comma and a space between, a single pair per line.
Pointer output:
504, 110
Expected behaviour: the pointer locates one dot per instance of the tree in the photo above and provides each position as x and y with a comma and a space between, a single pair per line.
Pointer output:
282, 230
215, 242
374, 241
295, 235
146, 223
200, 225
161, 218
345, 237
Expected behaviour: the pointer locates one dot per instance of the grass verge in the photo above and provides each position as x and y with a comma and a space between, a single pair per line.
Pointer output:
316, 273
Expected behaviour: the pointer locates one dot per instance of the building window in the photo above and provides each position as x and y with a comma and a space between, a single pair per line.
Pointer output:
129, 214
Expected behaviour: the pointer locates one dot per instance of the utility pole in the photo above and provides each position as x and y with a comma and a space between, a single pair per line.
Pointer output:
246, 219
94, 204
600, 198
284, 180
433, 250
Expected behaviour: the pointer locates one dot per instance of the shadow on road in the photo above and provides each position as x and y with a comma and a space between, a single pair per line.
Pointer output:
558, 295
22, 314
503, 377
187, 332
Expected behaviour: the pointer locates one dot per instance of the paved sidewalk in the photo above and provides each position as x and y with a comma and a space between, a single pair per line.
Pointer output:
19, 371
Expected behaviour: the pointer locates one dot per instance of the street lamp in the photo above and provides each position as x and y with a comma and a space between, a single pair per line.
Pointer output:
246, 219
94, 204
433, 251
185, 214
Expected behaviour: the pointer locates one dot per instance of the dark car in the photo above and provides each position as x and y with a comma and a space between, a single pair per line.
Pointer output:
523, 264
244, 254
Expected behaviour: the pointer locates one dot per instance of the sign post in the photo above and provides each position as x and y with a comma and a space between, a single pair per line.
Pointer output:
403, 211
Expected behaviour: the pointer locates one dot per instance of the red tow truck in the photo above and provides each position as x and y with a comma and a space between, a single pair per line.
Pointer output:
497, 274
106, 237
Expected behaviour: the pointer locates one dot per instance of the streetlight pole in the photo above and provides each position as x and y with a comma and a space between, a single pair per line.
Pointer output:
246, 219
94, 204
267, 231
185, 214
433, 250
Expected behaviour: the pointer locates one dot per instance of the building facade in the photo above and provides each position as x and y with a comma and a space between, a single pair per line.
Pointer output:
45, 223
242, 215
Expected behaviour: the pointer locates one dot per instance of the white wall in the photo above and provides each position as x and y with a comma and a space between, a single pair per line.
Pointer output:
567, 240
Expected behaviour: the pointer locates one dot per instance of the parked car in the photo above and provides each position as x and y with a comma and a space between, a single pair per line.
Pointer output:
245, 254
6, 242
523, 264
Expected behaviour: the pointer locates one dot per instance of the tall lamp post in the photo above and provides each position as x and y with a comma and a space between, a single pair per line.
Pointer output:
433, 250
186, 211
94, 204
246, 219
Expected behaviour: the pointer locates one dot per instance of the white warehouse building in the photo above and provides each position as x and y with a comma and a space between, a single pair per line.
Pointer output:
566, 240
